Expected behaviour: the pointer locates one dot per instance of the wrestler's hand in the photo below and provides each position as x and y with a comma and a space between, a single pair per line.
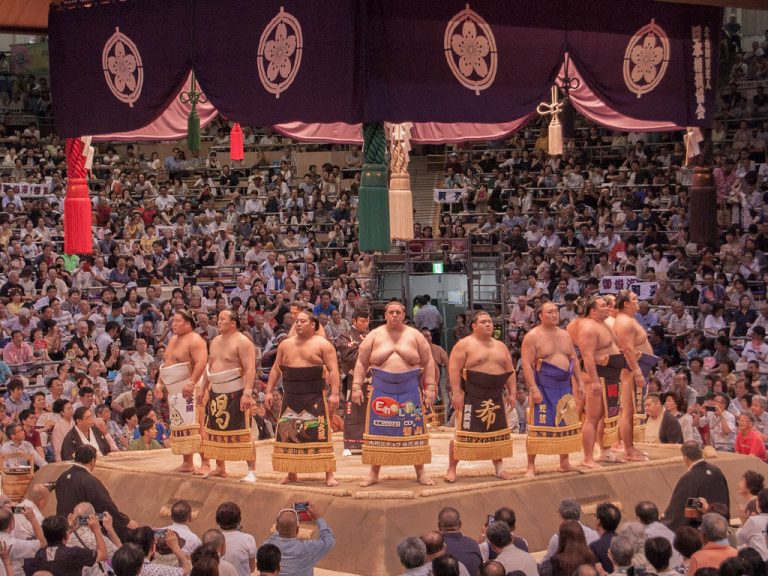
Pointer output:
357, 397
268, 400
188, 390
580, 388
458, 402
429, 396
333, 402
536, 396
159, 393
246, 402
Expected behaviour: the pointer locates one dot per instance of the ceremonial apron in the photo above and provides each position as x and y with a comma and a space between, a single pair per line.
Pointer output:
554, 424
185, 428
303, 432
395, 428
482, 431
227, 427
609, 371
647, 362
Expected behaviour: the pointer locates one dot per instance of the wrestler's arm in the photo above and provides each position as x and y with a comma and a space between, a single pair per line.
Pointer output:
456, 362
274, 374
334, 379
363, 361
625, 338
588, 340
577, 380
528, 357
247, 353
512, 380
199, 354
428, 364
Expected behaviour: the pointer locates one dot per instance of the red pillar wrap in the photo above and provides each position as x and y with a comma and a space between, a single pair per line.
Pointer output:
78, 237
236, 144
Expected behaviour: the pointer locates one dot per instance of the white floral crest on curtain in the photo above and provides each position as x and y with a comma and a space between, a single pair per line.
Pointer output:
470, 49
279, 55
123, 71
646, 59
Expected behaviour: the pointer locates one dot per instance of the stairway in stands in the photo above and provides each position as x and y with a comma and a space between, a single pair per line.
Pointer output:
426, 172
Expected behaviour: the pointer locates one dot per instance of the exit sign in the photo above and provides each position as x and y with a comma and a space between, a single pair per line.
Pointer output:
437, 267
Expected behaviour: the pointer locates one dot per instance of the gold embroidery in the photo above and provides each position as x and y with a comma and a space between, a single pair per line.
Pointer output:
487, 413
218, 411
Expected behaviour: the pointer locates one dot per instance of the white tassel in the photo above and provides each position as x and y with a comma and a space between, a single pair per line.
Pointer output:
555, 136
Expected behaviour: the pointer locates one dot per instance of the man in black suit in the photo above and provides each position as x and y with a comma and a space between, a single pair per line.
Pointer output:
83, 433
703, 480
78, 484
608, 519
661, 426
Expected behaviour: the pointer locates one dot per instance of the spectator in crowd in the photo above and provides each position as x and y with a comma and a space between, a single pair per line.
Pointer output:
748, 440
20, 549
661, 426
702, 480
60, 558
298, 557
144, 537
572, 551
570, 509
181, 515
436, 548
241, 547
78, 484
621, 554
37, 498
412, 553
751, 534
608, 518
17, 445
83, 433
510, 556
750, 485
81, 535
128, 561
268, 560
658, 551
461, 547
647, 514
687, 543
714, 532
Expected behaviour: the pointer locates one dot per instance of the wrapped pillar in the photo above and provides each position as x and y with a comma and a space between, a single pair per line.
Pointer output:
78, 235
400, 195
373, 208
703, 199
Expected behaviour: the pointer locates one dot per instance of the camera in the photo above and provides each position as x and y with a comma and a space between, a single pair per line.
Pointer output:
490, 519
302, 509
18, 509
693, 509
160, 533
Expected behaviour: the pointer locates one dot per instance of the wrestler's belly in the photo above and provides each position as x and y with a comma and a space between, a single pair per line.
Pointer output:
560, 360
644, 346
608, 351
486, 367
222, 366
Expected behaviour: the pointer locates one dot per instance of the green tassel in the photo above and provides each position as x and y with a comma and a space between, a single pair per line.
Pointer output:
193, 130
373, 209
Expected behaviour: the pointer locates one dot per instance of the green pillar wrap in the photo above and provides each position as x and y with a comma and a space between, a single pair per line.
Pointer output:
373, 208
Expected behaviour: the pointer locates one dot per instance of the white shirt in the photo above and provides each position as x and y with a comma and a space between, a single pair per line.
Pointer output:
752, 534
23, 529
191, 540
241, 547
20, 550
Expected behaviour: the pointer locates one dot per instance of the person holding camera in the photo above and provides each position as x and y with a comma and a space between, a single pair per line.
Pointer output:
702, 480
59, 558
298, 557
149, 541
81, 535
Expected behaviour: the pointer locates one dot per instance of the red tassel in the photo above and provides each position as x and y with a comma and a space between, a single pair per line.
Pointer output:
236, 143
78, 236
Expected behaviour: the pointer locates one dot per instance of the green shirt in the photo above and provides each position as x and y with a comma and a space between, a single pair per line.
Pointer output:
139, 444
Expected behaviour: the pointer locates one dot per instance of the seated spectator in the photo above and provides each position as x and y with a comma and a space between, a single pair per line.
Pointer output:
648, 515
446, 565
722, 424
621, 553
147, 440
570, 509
81, 535
510, 556
61, 559
181, 514
128, 561
661, 426
750, 485
241, 547
702, 480
714, 531
83, 433
214, 539
572, 551
752, 533
687, 543
298, 557
507, 515
412, 553
78, 484
658, 551
608, 518
748, 440
492, 568
19, 549
17, 445
38, 496
268, 560
144, 538
461, 547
